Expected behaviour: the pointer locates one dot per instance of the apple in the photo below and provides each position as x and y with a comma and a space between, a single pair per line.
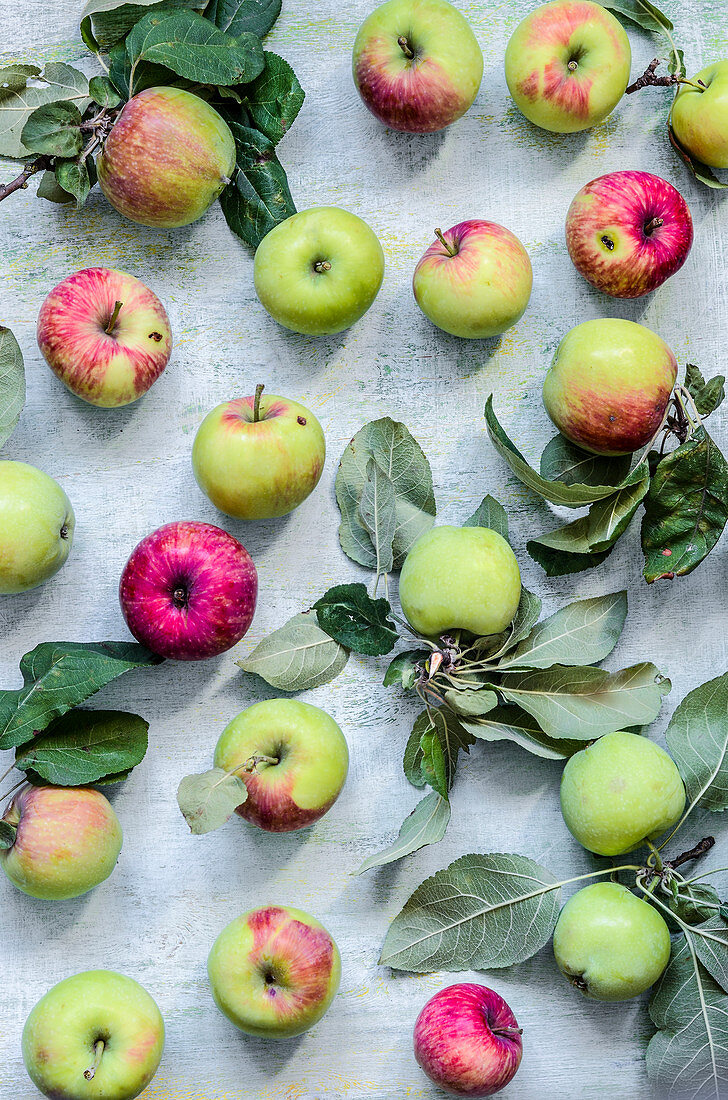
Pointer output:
567, 65
274, 971
627, 232
474, 280
619, 791
95, 1036
609, 385
417, 64
468, 1041
105, 335
319, 271
168, 157
258, 457
699, 118
36, 527
610, 944
188, 591
67, 840
460, 578
304, 762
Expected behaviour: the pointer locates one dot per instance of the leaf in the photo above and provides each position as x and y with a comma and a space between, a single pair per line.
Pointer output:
686, 508
298, 656
470, 703
275, 98
708, 396
702, 172
8, 833
84, 746
113, 19
642, 13
529, 609
581, 633
709, 941
398, 454
696, 902
697, 738
490, 513
378, 514
15, 77
103, 92
442, 739
236, 16
210, 799
76, 178
62, 83
405, 668
58, 676
564, 461
480, 913
352, 618
55, 129
50, 189
426, 824
258, 199
12, 384
511, 723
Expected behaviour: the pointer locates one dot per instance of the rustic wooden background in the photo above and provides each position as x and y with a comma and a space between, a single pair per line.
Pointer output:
129, 471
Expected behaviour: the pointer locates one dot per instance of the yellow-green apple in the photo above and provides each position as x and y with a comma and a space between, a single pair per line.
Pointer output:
105, 335
97, 1035
417, 64
609, 385
460, 578
188, 591
67, 840
620, 791
36, 527
258, 457
168, 157
319, 271
627, 232
468, 1041
699, 117
610, 944
274, 971
474, 280
567, 65
300, 759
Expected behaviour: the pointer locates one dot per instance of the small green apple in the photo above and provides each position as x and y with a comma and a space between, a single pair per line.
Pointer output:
319, 271
618, 791
95, 1036
700, 118
36, 527
274, 971
460, 578
610, 944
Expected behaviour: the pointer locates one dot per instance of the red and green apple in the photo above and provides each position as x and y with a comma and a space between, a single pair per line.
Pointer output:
36, 527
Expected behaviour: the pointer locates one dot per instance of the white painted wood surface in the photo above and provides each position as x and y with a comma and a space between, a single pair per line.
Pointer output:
129, 471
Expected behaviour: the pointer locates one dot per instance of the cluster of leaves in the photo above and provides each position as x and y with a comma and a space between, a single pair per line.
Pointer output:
56, 118
684, 492
490, 911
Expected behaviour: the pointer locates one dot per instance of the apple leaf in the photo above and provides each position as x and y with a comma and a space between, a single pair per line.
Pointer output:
113, 19
61, 82
274, 98
103, 92
701, 172
482, 912
582, 633
709, 941
76, 178
50, 189
412, 761
529, 609
378, 515
298, 656
405, 668
210, 799
258, 197
564, 461
697, 738
352, 618
84, 746
708, 396
694, 903
442, 739
426, 824
12, 383
15, 77
469, 702
511, 723
491, 514
54, 128
640, 12
8, 833
237, 16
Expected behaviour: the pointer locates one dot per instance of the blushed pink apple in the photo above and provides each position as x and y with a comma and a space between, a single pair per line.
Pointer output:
188, 591
168, 157
468, 1041
474, 280
274, 971
627, 232
105, 335
67, 840
417, 64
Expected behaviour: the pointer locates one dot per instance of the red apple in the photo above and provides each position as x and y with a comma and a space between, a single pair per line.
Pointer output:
468, 1041
105, 335
188, 591
627, 232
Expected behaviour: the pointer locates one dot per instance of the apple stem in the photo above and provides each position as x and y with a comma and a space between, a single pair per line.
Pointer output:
451, 251
251, 765
109, 330
652, 225
405, 47
256, 401
90, 1073
693, 853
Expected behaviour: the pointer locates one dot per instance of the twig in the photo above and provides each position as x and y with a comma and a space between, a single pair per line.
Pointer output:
694, 853
21, 182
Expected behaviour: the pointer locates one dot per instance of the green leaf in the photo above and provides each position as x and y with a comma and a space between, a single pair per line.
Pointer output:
490, 513
353, 619
470, 703
676, 63
708, 396
696, 902
12, 384
103, 92
642, 13
426, 824
76, 177
581, 633
8, 834
50, 189
15, 77
412, 762
564, 461
62, 82
84, 746
442, 739
686, 508
709, 941
112, 19
58, 676
398, 454
405, 668
697, 738
275, 98
702, 172
258, 199
55, 129
236, 16
529, 609
210, 799
378, 515
298, 656
511, 723
482, 912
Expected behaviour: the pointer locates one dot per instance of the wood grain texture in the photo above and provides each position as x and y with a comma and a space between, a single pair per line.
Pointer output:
129, 471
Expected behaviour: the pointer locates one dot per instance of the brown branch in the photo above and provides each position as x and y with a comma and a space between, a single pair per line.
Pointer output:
20, 182
694, 853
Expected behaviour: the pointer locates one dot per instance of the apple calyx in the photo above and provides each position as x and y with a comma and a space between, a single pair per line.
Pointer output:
90, 1073
405, 47
572, 66
449, 248
109, 330
321, 266
181, 597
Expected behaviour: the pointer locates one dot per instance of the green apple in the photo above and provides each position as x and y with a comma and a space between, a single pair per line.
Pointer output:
306, 759
610, 944
274, 971
609, 385
567, 65
258, 457
95, 1036
700, 118
319, 271
460, 578
618, 791
36, 527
